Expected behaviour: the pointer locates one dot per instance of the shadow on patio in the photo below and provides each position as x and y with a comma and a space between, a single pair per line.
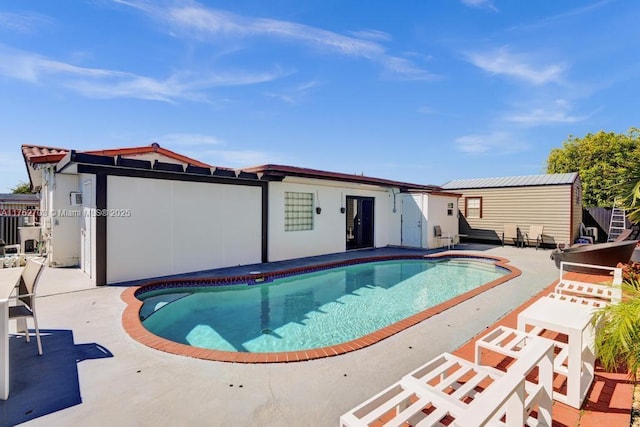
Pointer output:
41, 385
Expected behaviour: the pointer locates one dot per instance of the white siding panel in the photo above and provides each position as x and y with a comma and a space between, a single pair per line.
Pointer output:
550, 206
179, 227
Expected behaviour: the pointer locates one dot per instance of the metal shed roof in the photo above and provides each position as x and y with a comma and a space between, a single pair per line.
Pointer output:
512, 181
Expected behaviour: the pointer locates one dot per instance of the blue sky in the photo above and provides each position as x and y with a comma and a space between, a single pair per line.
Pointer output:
416, 91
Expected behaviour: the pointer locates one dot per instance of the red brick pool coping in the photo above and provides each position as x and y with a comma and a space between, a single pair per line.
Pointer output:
133, 325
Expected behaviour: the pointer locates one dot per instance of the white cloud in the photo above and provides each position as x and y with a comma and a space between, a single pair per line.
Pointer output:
558, 112
24, 23
567, 15
295, 94
210, 22
503, 62
480, 4
495, 142
215, 26
539, 116
31, 67
371, 35
103, 83
405, 69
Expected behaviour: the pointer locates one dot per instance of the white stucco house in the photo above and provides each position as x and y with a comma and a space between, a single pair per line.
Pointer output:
135, 213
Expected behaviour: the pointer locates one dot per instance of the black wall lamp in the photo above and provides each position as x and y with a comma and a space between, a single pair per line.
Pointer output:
318, 208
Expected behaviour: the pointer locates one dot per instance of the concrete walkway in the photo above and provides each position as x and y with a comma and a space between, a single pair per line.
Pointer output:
93, 373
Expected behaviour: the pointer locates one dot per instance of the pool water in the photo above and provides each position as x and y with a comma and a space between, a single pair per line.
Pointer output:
310, 310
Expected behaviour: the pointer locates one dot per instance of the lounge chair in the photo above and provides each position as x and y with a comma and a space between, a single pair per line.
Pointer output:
26, 298
537, 235
511, 233
442, 239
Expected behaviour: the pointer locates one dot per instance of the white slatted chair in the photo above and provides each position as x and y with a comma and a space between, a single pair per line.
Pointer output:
510, 342
592, 302
611, 294
449, 389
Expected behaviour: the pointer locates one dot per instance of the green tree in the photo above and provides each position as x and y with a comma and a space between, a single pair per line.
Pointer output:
603, 161
629, 192
22, 188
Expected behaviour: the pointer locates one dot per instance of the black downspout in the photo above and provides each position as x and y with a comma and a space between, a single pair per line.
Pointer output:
101, 230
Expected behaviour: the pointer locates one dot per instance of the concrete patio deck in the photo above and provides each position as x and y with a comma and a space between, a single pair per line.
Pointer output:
93, 373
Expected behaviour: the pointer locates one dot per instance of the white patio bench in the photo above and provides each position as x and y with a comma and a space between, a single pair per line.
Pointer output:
449, 390
611, 294
592, 302
510, 342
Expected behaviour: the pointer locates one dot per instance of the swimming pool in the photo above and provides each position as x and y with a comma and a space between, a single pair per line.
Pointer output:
312, 313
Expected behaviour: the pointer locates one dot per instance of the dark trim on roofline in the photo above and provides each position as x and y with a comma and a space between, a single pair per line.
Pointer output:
172, 176
279, 172
96, 164
446, 194
65, 162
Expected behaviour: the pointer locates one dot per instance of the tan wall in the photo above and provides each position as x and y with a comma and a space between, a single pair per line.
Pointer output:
549, 206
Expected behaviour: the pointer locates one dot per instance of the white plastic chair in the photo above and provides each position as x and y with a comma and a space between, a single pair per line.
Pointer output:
446, 238
26, 297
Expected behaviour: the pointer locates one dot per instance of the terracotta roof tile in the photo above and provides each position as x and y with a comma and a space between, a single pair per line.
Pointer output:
42, 154
155, 147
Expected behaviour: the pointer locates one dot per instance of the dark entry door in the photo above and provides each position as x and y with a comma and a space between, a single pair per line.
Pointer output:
359, 217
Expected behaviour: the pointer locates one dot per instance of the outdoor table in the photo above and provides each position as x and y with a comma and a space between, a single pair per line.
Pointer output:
8, 279
574, 320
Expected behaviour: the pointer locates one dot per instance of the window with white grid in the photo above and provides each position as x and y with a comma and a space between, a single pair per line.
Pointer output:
298, 211
473, 207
